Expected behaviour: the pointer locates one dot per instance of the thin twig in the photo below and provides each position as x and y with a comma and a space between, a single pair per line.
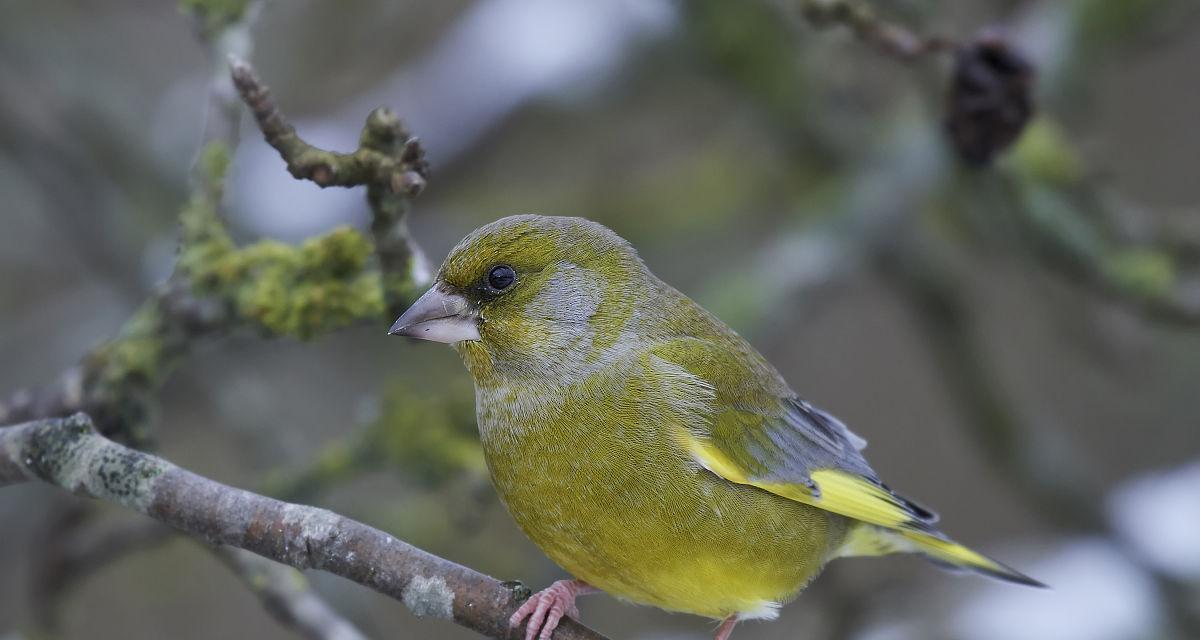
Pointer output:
288, 597
389, 161
1151, 277
224, 112
115, 382
69, 453
889, 38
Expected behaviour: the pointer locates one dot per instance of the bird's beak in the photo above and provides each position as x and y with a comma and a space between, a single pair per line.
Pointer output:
440, 315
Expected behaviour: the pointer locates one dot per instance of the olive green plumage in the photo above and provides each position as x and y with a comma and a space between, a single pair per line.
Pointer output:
642, 444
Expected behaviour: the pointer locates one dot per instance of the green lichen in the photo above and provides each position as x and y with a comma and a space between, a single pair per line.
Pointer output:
204, 240
213, 164
135, 357
1141, 272
430, 438
1099, 24
297, 291
51, 451
306, 290
749, 45
122, 374
68, 453
1058, 221
214, 16
1044, 154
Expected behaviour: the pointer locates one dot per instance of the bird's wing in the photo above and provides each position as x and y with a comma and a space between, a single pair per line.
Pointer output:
757, 432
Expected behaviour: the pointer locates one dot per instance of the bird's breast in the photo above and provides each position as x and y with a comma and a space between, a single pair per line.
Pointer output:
593, 476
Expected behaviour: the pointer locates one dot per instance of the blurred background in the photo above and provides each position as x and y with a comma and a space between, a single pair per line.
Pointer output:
1017, 341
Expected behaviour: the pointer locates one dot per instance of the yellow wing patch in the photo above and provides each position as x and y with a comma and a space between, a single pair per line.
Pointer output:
897, 526
842, 493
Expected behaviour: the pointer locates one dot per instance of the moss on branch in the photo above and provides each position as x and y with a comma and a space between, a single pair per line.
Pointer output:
302, 291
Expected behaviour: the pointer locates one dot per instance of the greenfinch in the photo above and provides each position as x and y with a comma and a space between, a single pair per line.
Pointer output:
643, 445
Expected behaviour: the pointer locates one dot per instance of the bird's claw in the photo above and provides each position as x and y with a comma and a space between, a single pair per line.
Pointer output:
546, 608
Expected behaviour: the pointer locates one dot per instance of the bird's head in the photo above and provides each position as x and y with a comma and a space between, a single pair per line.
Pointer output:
531, 296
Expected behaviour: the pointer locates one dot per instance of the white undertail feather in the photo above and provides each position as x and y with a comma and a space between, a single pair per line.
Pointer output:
766, 610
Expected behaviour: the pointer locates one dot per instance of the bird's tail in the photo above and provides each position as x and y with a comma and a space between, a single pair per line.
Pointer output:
870, 540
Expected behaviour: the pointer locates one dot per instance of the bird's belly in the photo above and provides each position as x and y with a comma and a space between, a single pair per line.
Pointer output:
658, 530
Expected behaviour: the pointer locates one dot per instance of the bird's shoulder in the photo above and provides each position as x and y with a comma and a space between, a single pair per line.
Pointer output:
753, 420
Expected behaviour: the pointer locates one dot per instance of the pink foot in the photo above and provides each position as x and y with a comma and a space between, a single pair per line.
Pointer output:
726, 628
548, 606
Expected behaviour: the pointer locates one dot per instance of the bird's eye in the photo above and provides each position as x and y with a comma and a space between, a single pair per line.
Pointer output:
501, 277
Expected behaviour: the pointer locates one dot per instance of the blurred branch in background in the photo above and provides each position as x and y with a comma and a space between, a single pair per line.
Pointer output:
287, 596
70, 454
73, 547
859, 16
988, 99
431, 439
1094, 239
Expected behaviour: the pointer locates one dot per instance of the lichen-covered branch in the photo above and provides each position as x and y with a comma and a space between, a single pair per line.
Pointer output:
389, 162
989, 94
69, 453
287, 596
326, 283
1067, 230
116, 381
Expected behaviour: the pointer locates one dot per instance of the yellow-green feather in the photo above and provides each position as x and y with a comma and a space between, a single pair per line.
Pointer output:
588, 478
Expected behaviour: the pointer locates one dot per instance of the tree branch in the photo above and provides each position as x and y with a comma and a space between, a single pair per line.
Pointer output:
389, 161
889, 38
287, 596
69, 453
1149, 276
218, 287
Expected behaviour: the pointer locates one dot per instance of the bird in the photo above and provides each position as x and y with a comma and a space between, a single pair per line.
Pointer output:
643, 445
